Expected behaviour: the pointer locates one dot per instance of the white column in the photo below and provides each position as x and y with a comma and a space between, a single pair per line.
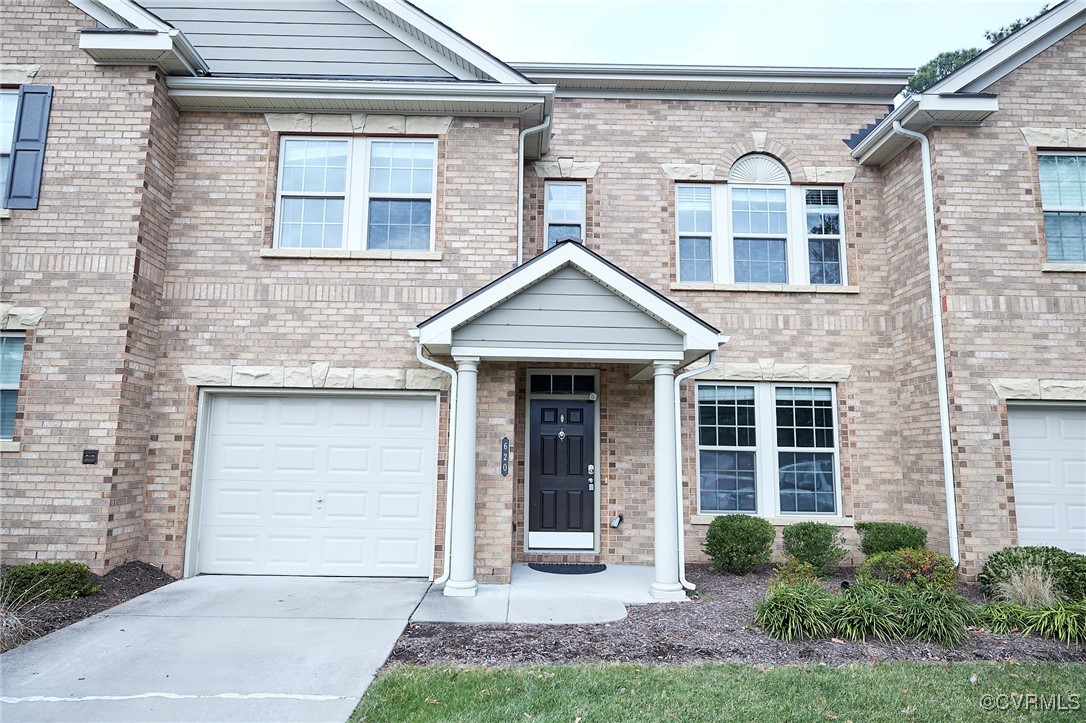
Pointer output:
666, 586
461, 582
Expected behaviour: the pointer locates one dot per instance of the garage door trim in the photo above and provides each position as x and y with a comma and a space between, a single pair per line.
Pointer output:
203, 430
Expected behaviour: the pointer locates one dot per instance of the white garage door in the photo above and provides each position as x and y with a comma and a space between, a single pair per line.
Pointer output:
1048, 457
319, 485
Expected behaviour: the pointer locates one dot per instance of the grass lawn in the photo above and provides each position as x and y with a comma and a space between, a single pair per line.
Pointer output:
732, 692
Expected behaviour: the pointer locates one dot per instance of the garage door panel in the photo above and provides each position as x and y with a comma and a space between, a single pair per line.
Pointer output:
1048, 460
398, 551
1074, 475
319, 486
348, 458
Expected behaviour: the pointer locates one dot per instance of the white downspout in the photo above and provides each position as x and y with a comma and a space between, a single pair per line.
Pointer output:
449, 481
520, 185
679, 379
937, 326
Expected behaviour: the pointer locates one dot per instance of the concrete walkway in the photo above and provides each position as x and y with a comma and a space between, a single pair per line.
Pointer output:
545, 598
215, 648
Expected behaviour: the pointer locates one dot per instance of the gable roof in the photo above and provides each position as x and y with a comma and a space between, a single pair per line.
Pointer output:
371, 39
314, 56
699, 338
959, 99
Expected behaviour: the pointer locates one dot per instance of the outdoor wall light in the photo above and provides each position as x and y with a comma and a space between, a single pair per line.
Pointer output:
616, 521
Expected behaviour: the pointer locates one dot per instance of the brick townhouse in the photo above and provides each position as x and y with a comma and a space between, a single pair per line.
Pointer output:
323, 288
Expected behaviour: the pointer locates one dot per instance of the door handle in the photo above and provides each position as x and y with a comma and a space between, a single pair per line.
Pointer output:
591, 468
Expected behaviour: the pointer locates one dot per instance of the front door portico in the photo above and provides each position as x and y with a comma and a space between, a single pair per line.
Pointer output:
567, 305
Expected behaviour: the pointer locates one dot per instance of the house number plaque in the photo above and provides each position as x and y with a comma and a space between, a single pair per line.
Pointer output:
505, 456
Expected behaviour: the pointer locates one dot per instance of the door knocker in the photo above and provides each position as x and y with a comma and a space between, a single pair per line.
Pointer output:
561, 434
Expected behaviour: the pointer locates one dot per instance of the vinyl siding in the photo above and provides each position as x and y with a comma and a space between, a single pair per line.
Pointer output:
568, 310
321, 37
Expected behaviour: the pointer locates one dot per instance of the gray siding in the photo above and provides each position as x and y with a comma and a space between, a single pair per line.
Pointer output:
569, 310
277, 37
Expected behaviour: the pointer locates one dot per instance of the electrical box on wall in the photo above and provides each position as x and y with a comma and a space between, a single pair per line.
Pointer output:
90, 456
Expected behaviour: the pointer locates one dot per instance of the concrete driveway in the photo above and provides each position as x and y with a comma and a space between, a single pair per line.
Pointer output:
215, 648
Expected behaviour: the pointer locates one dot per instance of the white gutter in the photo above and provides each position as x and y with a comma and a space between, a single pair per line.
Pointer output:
520, 184
937, 327
449, 481
679, 379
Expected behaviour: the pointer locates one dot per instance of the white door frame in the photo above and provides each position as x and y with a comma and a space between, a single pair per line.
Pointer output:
596, 506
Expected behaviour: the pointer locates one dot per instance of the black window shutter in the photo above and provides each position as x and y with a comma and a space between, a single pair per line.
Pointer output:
28, 146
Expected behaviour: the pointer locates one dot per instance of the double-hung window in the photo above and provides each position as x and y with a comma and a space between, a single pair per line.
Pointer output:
758, 229
564, 210
356, 193
767, 449
11, 366
1063, 196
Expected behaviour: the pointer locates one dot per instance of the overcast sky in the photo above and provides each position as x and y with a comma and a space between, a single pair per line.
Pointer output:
826, 33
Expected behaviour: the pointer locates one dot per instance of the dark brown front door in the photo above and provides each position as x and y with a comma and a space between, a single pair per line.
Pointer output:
561, 479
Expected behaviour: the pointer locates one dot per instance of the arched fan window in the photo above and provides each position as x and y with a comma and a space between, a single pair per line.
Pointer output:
759, 170
759, 229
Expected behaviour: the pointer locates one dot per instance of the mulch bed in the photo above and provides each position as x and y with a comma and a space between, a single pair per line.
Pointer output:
119, 585
717, 626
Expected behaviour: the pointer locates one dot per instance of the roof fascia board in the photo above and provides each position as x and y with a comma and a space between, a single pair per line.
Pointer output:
360, 91
525, 353
129, 12
724, 72
920, 113
455, 42
696, 334
446, 63
882, 100
469, 60
1006, 56
100, 14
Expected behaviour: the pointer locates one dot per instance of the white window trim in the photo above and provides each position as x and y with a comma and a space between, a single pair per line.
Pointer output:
583, 185
17, 386
767, 492
356, 194
722, 238
1058, 209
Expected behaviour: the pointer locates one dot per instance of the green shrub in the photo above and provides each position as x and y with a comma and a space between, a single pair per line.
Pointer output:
816, 543
870, 607
52, 580
876, 537
792, 572
935, 615
1068, 569
1063, 622
1003, 618
795, 611
739, 543
911, 568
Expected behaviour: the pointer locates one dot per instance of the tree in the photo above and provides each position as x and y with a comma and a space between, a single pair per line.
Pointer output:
938, 68
994, 36
944, 64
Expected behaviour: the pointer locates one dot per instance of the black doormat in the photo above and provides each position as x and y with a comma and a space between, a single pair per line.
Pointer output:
566, 568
